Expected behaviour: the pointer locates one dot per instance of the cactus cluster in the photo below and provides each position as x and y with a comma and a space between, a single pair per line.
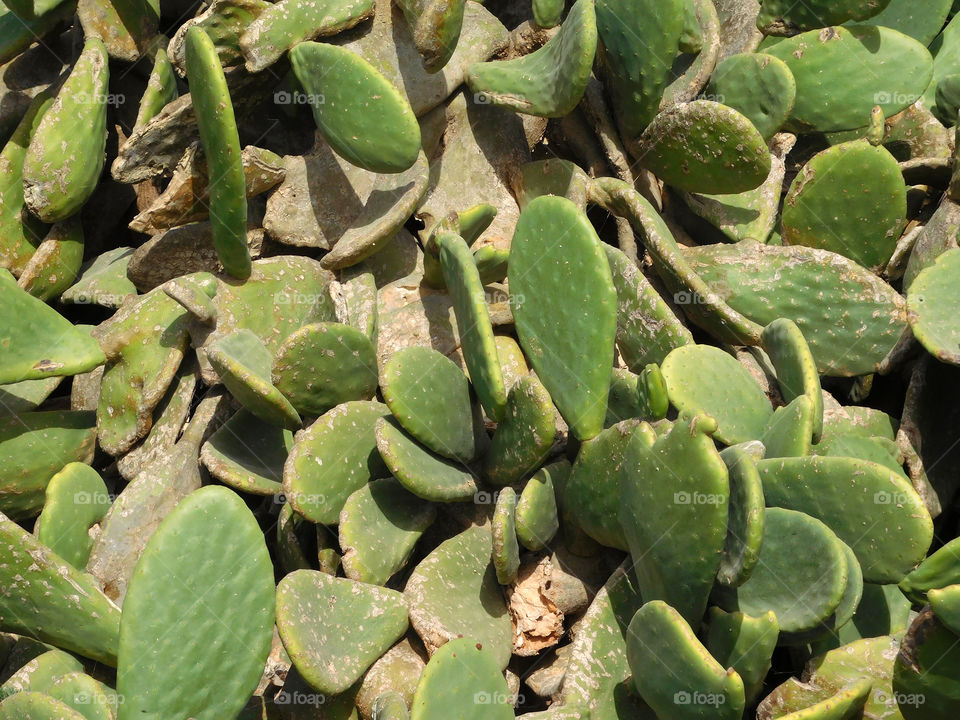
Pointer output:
448, 359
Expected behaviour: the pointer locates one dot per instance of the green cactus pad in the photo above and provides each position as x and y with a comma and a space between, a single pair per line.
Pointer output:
454, 591
811, 287
435, 26
592, 491
548, 82
759, 86
324, 364
379, 525
638, 44
647, 329
430, 397
36, 706
221, 145
875, 449
37, 341
20, 232
930, 308
318, 491
524, 436
849, 199
54, 266
659, 640
47, 599
420, 471
829, 98
841, 492
506, 549
103, 281
692, 513
76, 500
790, 430
744, 643
795, 366
623, 401
40, 672
206, 572
706, 380
463, 674
145, 342
389, 706
363, 117
925, 671
922, 24
784, 15
34, 446
248, 454
818, 579
85, 695
357, 304
334, 628
726, 154
473, 323
571, 271
844, 703
66, 152
940, 569
548, 13
282, 25
243, 364
945, 603
536, 516
161, 87
852, 594
745, 524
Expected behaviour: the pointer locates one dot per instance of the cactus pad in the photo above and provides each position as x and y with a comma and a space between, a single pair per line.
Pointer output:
324, 364
36, 706
76, 500
420, 471
334, 628
577, 381
931, 313
430, 397
318, 491
726, 154
379, 525
536, 515
524, 436
221, 600
463, 674
795, 366
759, 86
745, 643
360, 113
745, 524
247, 454
550, 81
506, 549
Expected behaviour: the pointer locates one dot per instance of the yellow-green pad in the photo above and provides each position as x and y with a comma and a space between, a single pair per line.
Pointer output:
324, 364
795, 366
565, 308
420, 471
202, 595
674, 673
536, 517
363, 117
76, 499
506, 548
36, 706
318, 491
379, 526
243, 364
789, 430
945, 603
550, 81
462, 677
334, 628
430, 397
745, 643
931, 308
705, 379
47, 599
759, 86
36, 341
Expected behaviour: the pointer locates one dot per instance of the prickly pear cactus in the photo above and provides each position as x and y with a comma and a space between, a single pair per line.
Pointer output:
213, 587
